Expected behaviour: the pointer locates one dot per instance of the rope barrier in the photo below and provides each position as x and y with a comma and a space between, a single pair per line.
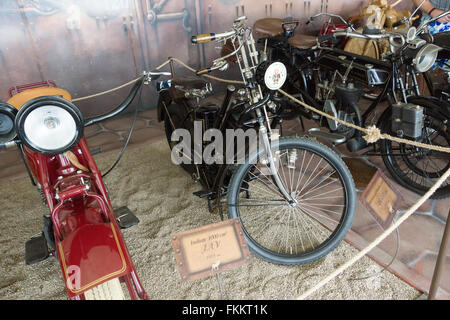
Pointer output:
107, 91
157, 68
373, 134
378, 240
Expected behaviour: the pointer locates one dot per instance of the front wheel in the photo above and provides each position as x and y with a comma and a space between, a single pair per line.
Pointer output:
301, 232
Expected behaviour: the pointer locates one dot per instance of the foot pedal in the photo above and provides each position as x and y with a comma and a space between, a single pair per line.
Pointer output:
125, 217
356, 144
334, 138
36, 249
203, 194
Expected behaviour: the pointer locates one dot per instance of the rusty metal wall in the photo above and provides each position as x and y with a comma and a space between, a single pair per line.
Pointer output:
87, 46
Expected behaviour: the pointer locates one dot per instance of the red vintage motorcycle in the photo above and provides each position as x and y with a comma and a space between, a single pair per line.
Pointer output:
82, 230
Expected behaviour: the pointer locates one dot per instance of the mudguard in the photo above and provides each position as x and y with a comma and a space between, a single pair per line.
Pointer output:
92, 250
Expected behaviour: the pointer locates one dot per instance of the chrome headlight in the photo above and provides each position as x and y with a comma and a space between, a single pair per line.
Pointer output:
426, 57
7, 115
49, 125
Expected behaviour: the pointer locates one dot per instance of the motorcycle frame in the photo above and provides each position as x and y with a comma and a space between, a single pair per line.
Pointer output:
256, 101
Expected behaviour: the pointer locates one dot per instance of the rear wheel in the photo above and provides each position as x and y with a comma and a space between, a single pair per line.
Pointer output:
110, 290
286, 233
418, 169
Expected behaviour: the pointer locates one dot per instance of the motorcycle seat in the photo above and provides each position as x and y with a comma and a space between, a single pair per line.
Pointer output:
189, 82
268, 27
303, 41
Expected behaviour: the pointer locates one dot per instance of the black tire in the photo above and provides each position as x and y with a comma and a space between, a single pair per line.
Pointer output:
409, 171
338, 172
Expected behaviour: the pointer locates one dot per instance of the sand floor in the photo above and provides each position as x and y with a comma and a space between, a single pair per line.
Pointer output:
160, 194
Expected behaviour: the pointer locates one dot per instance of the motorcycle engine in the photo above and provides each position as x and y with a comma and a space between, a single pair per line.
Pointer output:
206, 113
343, 106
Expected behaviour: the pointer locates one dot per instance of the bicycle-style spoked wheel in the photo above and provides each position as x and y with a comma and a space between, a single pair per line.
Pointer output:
416, 168
296, 232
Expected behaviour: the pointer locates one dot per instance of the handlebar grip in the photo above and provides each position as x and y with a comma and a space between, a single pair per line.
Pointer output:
326, 37
203, 38
398, 23
203, 71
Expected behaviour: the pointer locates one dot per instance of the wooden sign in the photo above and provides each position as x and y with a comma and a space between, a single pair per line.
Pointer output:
210, 249
381, 199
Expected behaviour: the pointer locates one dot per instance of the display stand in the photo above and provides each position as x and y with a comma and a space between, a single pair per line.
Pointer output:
215, 269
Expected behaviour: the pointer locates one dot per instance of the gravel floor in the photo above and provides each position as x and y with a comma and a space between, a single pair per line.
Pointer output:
160, 194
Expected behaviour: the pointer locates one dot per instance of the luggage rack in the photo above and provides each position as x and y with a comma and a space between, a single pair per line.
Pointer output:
42, 84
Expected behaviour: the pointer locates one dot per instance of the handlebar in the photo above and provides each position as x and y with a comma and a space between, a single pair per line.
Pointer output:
374, 36
208, 37
221, 64
8, 145
153, 75
427, 22
330, 15
398, 23
133, 92
203, 71
326, 37
203, 38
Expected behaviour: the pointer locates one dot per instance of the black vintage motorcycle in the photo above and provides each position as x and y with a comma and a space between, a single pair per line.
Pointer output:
332, 80
295, 197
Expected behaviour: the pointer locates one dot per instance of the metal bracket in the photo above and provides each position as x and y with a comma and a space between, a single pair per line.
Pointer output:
154, 16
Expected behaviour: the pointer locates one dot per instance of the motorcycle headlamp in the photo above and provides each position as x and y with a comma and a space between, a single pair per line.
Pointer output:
7, 116
426, 57
49, 125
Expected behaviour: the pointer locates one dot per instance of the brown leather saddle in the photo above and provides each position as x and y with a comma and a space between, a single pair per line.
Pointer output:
268, 27
302, 41
271, 27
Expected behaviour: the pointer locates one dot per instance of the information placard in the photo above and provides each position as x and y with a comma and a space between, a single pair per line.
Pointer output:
381, 199
210, 249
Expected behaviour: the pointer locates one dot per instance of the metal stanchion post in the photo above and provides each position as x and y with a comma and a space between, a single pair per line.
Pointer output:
440, 262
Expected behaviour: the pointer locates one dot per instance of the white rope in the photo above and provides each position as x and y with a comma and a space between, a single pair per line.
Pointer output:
157, 68
378, 240
107, 91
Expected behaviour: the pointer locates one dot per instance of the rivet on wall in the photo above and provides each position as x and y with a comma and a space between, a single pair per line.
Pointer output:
209, 14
